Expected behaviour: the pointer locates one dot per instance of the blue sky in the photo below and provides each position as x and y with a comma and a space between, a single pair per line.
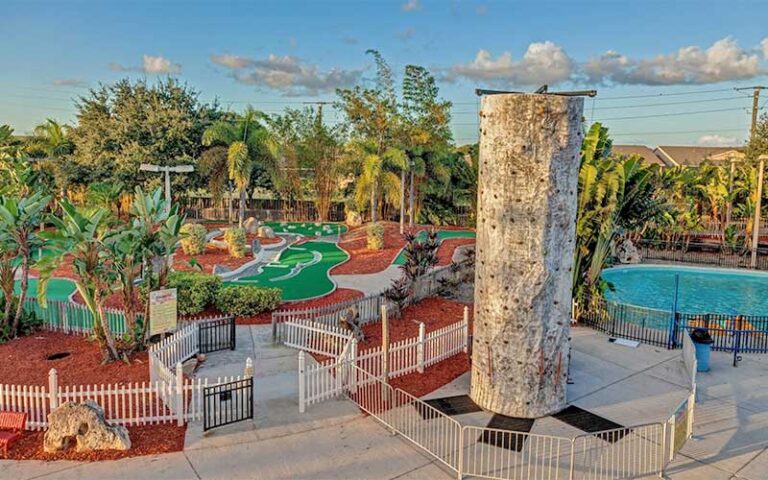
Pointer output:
277, 54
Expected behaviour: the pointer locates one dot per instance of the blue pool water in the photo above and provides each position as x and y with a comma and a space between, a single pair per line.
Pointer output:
702, 290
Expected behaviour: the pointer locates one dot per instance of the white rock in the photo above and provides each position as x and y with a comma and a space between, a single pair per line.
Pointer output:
86, 423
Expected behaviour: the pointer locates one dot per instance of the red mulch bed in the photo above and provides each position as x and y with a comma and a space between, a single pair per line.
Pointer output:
145, 440
364, 261
23, 361
212, 256
339, 295
435, 312
434, 377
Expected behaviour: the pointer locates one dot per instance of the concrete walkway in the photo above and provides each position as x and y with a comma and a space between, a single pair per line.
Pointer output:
332, 440
370, 283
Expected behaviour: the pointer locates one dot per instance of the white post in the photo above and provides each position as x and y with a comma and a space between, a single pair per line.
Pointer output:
384, 344
248, 373
53, 389
302, 392
466, 329
353, 367
179, 394
420, 348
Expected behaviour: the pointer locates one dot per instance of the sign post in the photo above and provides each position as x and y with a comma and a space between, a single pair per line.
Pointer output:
147, 167
163, 312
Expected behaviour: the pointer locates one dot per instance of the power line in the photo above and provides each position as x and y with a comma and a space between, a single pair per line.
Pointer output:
686, 102
667, 132
672, 114
673, 94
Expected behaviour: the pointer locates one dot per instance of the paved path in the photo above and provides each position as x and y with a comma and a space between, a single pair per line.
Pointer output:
332, 440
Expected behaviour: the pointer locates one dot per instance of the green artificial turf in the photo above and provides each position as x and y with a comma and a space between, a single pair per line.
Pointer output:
441, 235
58, 288
308, 229
311, 281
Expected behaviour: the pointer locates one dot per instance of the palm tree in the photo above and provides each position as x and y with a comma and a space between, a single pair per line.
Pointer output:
248, 143
19, 220
80, 236
8, 268
53, 138
376, 177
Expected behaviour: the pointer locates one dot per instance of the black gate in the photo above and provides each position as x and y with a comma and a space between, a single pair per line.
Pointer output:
217, 334
227, 403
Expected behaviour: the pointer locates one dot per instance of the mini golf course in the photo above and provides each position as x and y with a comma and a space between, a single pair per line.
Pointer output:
441, 235
58, 288
301, 271
307, 229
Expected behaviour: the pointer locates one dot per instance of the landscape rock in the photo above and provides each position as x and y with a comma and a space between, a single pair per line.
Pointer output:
220, 269
265, 232
627, 253
85, 423
251, 225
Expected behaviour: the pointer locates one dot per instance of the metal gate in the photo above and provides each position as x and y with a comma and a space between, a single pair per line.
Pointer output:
217, 334
227, 403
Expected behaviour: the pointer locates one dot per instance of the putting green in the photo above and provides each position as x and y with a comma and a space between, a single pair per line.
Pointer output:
308, 229
301, 272
58, 288
441, 235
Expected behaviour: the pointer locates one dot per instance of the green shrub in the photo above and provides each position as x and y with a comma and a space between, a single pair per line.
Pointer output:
375, 234
235, 238
193, 238
247, 300
195, 290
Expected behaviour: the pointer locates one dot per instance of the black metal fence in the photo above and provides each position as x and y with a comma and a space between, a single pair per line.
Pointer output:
217, 334
701, 253
227, 403
664, 328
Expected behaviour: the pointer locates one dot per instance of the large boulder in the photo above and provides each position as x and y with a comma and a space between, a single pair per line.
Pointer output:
354, 219
251, 225
85, 423
265, 232
627, 253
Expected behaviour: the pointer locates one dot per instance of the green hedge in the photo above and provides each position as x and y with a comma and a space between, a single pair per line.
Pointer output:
235, 238
196, 290
247, 300
193, 239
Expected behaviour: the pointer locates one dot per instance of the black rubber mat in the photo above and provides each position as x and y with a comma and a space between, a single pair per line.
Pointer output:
505, 440
587, 421
451, 406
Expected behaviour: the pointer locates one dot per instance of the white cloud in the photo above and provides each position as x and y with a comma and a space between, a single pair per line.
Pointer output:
715, 140
406, 34
151, 64
481, 9
287, 74
68, 82
764, 46
411, 5
543, 62
724, 60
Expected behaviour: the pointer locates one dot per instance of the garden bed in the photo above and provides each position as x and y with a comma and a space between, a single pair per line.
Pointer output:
212, 256
24, 361
145, 440
338, 295
434, 377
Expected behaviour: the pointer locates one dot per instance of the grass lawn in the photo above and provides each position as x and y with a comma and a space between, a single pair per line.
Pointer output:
308, 229
308, 282
441, 235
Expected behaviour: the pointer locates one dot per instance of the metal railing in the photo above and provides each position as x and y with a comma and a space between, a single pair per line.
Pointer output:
701, 254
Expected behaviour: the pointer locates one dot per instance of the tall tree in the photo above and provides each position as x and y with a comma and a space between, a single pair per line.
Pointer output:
248, 143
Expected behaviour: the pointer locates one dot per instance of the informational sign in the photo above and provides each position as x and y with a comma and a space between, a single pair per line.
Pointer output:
162, 311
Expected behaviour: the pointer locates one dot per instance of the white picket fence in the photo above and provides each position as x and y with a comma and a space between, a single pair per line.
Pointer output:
315, 337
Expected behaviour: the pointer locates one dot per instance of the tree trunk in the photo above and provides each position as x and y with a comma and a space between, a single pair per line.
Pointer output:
374, 207
24, 252
402, 201
410, 202
529, 162
241, 212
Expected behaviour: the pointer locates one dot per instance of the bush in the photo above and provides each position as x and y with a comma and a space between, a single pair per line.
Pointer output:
235, 238
27, 324
375, 233
193, 238
247, 300
195, 290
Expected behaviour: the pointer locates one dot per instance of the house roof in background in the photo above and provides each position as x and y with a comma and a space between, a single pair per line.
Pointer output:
646, 153
692, 156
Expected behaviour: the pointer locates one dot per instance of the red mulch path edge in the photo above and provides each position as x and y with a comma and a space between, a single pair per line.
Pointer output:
23, 362
434, 377
435, 312
338, 295
145, 440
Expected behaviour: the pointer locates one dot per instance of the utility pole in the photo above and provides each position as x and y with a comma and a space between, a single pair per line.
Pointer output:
756, 227
148, 167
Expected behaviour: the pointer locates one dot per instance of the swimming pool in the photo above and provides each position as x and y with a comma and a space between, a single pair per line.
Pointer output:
702, 290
